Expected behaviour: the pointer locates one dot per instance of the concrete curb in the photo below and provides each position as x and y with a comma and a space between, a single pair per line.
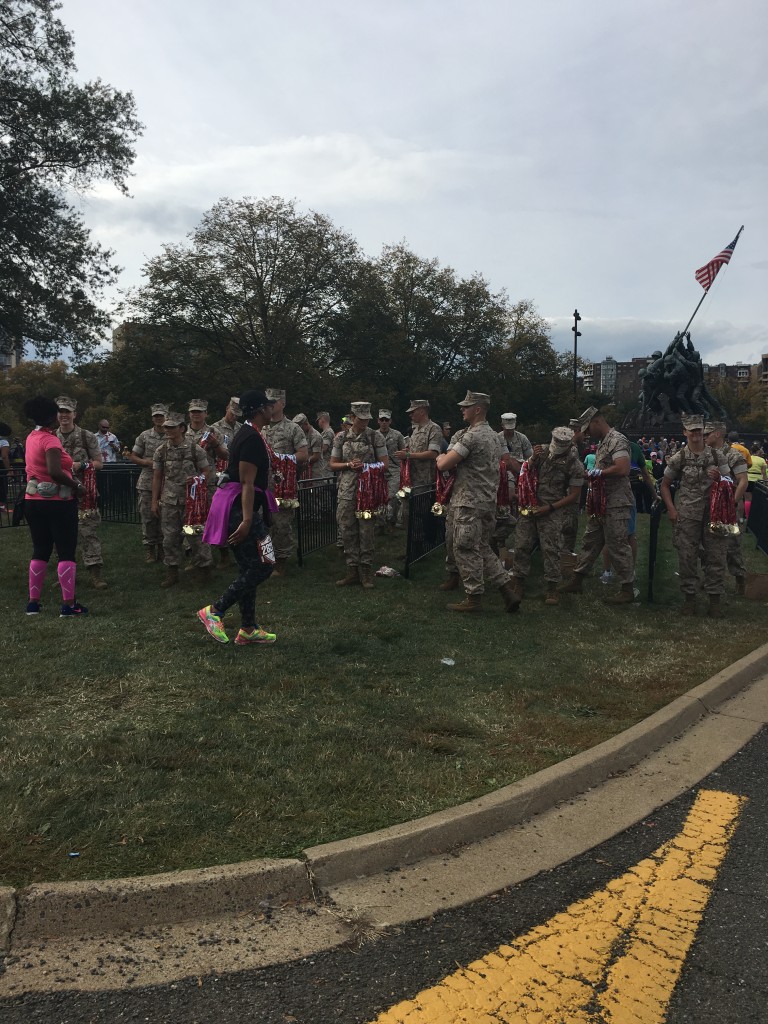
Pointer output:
89, 908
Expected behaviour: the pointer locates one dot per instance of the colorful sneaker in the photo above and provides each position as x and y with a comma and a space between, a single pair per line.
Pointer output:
212, 622
34, 608
67, 610
254, 636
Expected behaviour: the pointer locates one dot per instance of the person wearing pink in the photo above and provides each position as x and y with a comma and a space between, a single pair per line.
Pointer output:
50, 507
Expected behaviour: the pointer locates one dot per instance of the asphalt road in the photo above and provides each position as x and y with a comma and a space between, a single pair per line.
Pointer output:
724, 977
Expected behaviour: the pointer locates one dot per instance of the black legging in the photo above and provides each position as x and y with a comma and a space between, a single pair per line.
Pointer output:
253, 570
52, 524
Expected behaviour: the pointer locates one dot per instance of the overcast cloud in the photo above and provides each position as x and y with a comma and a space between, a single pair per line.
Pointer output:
588, 154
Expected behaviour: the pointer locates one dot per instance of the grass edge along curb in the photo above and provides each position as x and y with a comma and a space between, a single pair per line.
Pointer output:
76, 908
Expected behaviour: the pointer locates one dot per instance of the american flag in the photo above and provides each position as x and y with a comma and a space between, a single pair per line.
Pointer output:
706, 275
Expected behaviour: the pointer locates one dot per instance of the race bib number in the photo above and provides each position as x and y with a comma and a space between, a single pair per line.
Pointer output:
267, 551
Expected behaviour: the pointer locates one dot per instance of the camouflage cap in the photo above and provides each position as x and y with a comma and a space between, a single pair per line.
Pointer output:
63, 402
716, 425
574, 424
587, 416
300, 418
275, 394
322, 415
174, 419
158, 409
509, 419
475, 398
562, 440
417, 403
234, 405
197, 405
693, 422
361, 409
385, 414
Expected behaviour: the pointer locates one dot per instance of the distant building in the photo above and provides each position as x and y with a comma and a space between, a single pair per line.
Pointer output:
621, 380
11, 353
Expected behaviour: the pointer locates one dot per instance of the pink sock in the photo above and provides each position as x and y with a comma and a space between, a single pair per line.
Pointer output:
67, 574
37, 571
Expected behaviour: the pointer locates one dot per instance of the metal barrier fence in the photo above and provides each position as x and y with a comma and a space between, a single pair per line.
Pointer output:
757, 523
425, 530
116, 485
12, 484
316, 516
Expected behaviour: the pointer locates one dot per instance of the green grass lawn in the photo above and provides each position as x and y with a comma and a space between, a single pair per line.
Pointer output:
134, 739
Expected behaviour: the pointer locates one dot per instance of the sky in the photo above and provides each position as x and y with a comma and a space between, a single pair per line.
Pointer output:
587, 154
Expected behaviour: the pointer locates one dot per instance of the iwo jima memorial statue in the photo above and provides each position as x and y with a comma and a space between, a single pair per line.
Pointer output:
673, 382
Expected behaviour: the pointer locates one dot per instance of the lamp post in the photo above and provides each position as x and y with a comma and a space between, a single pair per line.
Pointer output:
576, 336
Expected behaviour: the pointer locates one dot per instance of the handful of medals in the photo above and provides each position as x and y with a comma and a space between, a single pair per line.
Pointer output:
196, 505
596, 500
372, 490
527, 485
443, 489
88, 504
404, 485
284, 476
722, 508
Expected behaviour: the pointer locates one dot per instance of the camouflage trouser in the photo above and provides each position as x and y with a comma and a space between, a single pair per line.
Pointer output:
88, 538
475, 560
171, 522
282, 532
548, 530
570, 526
199, 554
503, 527
356, 534
393, 505
735, 557
694, 540
450, 562
150, 525
611, 533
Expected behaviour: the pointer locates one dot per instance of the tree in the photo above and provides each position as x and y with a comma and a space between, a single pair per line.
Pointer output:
55, 135
256, 284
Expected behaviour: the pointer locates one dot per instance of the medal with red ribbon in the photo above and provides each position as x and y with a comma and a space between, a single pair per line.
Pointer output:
372, 490
443, 489
596, 500
722, 508
404, 484
284, 477
502, 491
88, 504
196, 505
527, 486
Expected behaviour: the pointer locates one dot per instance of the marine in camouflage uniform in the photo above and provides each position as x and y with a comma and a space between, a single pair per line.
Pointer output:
359, 446
571, 512
228, 425
83, 446
514, 446
560, 476
715, 438
323, 420
612, 463
284, 437
174, 462
395, 442
144, 448
696, 467
212, 441
421, 449
475, 457
314, 446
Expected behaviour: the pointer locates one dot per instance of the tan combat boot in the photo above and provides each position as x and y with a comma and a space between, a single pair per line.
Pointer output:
171, 577
151, 554
714, 611
625, 596
279, 569
351, 579
450, 582
518, 585
511, 596
96, 581
471, 603
551, 595
689, 606
366, 576
575, 585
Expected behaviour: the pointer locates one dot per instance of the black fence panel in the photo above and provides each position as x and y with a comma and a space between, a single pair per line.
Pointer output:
12, 484
316, 516
757, 523
426, 531
116, 484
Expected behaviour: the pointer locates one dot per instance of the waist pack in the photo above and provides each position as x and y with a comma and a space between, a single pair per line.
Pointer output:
47, 489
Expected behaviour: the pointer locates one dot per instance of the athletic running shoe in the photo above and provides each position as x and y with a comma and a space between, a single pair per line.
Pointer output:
68, 610
34, 608
254, 636
213, 624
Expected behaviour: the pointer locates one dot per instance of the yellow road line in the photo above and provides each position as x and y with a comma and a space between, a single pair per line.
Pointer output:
612, 958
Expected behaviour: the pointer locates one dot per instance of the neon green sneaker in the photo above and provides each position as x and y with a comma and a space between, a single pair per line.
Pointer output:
254, 636
213, 624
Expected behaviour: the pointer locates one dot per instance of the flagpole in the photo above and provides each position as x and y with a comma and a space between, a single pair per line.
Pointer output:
706, 293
